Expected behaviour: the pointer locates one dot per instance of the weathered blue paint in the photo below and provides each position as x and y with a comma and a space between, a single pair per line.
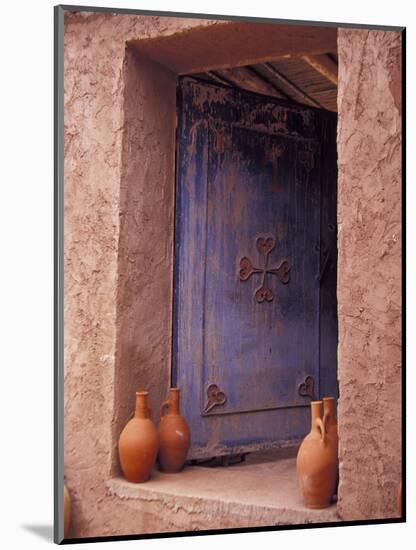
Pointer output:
249, 174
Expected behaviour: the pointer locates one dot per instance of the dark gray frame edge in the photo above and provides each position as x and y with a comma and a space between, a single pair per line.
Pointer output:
58, 523
248, 18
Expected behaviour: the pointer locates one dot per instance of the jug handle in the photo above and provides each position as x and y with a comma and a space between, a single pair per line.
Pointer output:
320, 424
163, 406
325, 420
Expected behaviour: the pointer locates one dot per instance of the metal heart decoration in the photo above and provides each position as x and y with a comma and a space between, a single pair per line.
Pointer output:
215, 397
246, 269
265, 246
307, 387
283, 272
263, 294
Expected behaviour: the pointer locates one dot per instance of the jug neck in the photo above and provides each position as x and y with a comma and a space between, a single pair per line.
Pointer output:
329, 408
174, 401
142, 408
316, 412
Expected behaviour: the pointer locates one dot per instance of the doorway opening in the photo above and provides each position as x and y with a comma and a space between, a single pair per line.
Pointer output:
255, 312
247, 59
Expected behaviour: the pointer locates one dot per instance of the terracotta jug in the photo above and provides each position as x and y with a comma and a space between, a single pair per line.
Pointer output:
331, 426
67, 511
139, 443
316, 463
330, 421
174, 435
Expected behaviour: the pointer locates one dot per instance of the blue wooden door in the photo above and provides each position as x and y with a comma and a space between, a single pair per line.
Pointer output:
251, 172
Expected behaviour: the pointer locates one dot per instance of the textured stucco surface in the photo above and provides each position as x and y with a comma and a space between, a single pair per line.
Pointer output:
369, 272
262, 491
145, 255
97, 150
117, 312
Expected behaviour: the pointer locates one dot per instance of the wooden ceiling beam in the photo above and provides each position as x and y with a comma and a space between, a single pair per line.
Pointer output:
324, 65
278, 91
231, 44
295, 92
246, 78
219, 78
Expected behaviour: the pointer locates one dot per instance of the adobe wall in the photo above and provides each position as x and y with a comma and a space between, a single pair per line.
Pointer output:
113, 227
102, 195
369, 272
145, 255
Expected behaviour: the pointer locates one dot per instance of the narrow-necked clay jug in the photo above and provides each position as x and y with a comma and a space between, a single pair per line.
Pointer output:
316, 463
174, 435
67, 511
139, 443
330, 422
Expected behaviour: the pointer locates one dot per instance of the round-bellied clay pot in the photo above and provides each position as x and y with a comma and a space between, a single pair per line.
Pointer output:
139, 443
174, 435
331, 426
67, 511
316, 463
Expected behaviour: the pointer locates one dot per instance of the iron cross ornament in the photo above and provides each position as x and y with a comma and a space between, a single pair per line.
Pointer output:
247, 269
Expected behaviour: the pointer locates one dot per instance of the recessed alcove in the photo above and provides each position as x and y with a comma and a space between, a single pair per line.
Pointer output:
120, 124
298, 65
267, 63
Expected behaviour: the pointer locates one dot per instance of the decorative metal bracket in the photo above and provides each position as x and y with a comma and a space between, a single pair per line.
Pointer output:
215, 396
306, 389
247, 269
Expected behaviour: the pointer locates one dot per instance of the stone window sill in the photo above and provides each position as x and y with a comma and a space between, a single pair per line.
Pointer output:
262, 491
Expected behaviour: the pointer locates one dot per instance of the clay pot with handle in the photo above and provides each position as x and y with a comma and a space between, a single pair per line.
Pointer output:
331, 426
139, 443
316, 462
330, 421
174, 434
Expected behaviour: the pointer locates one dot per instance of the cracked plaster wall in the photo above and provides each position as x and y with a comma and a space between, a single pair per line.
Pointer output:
369, 272
100, 139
